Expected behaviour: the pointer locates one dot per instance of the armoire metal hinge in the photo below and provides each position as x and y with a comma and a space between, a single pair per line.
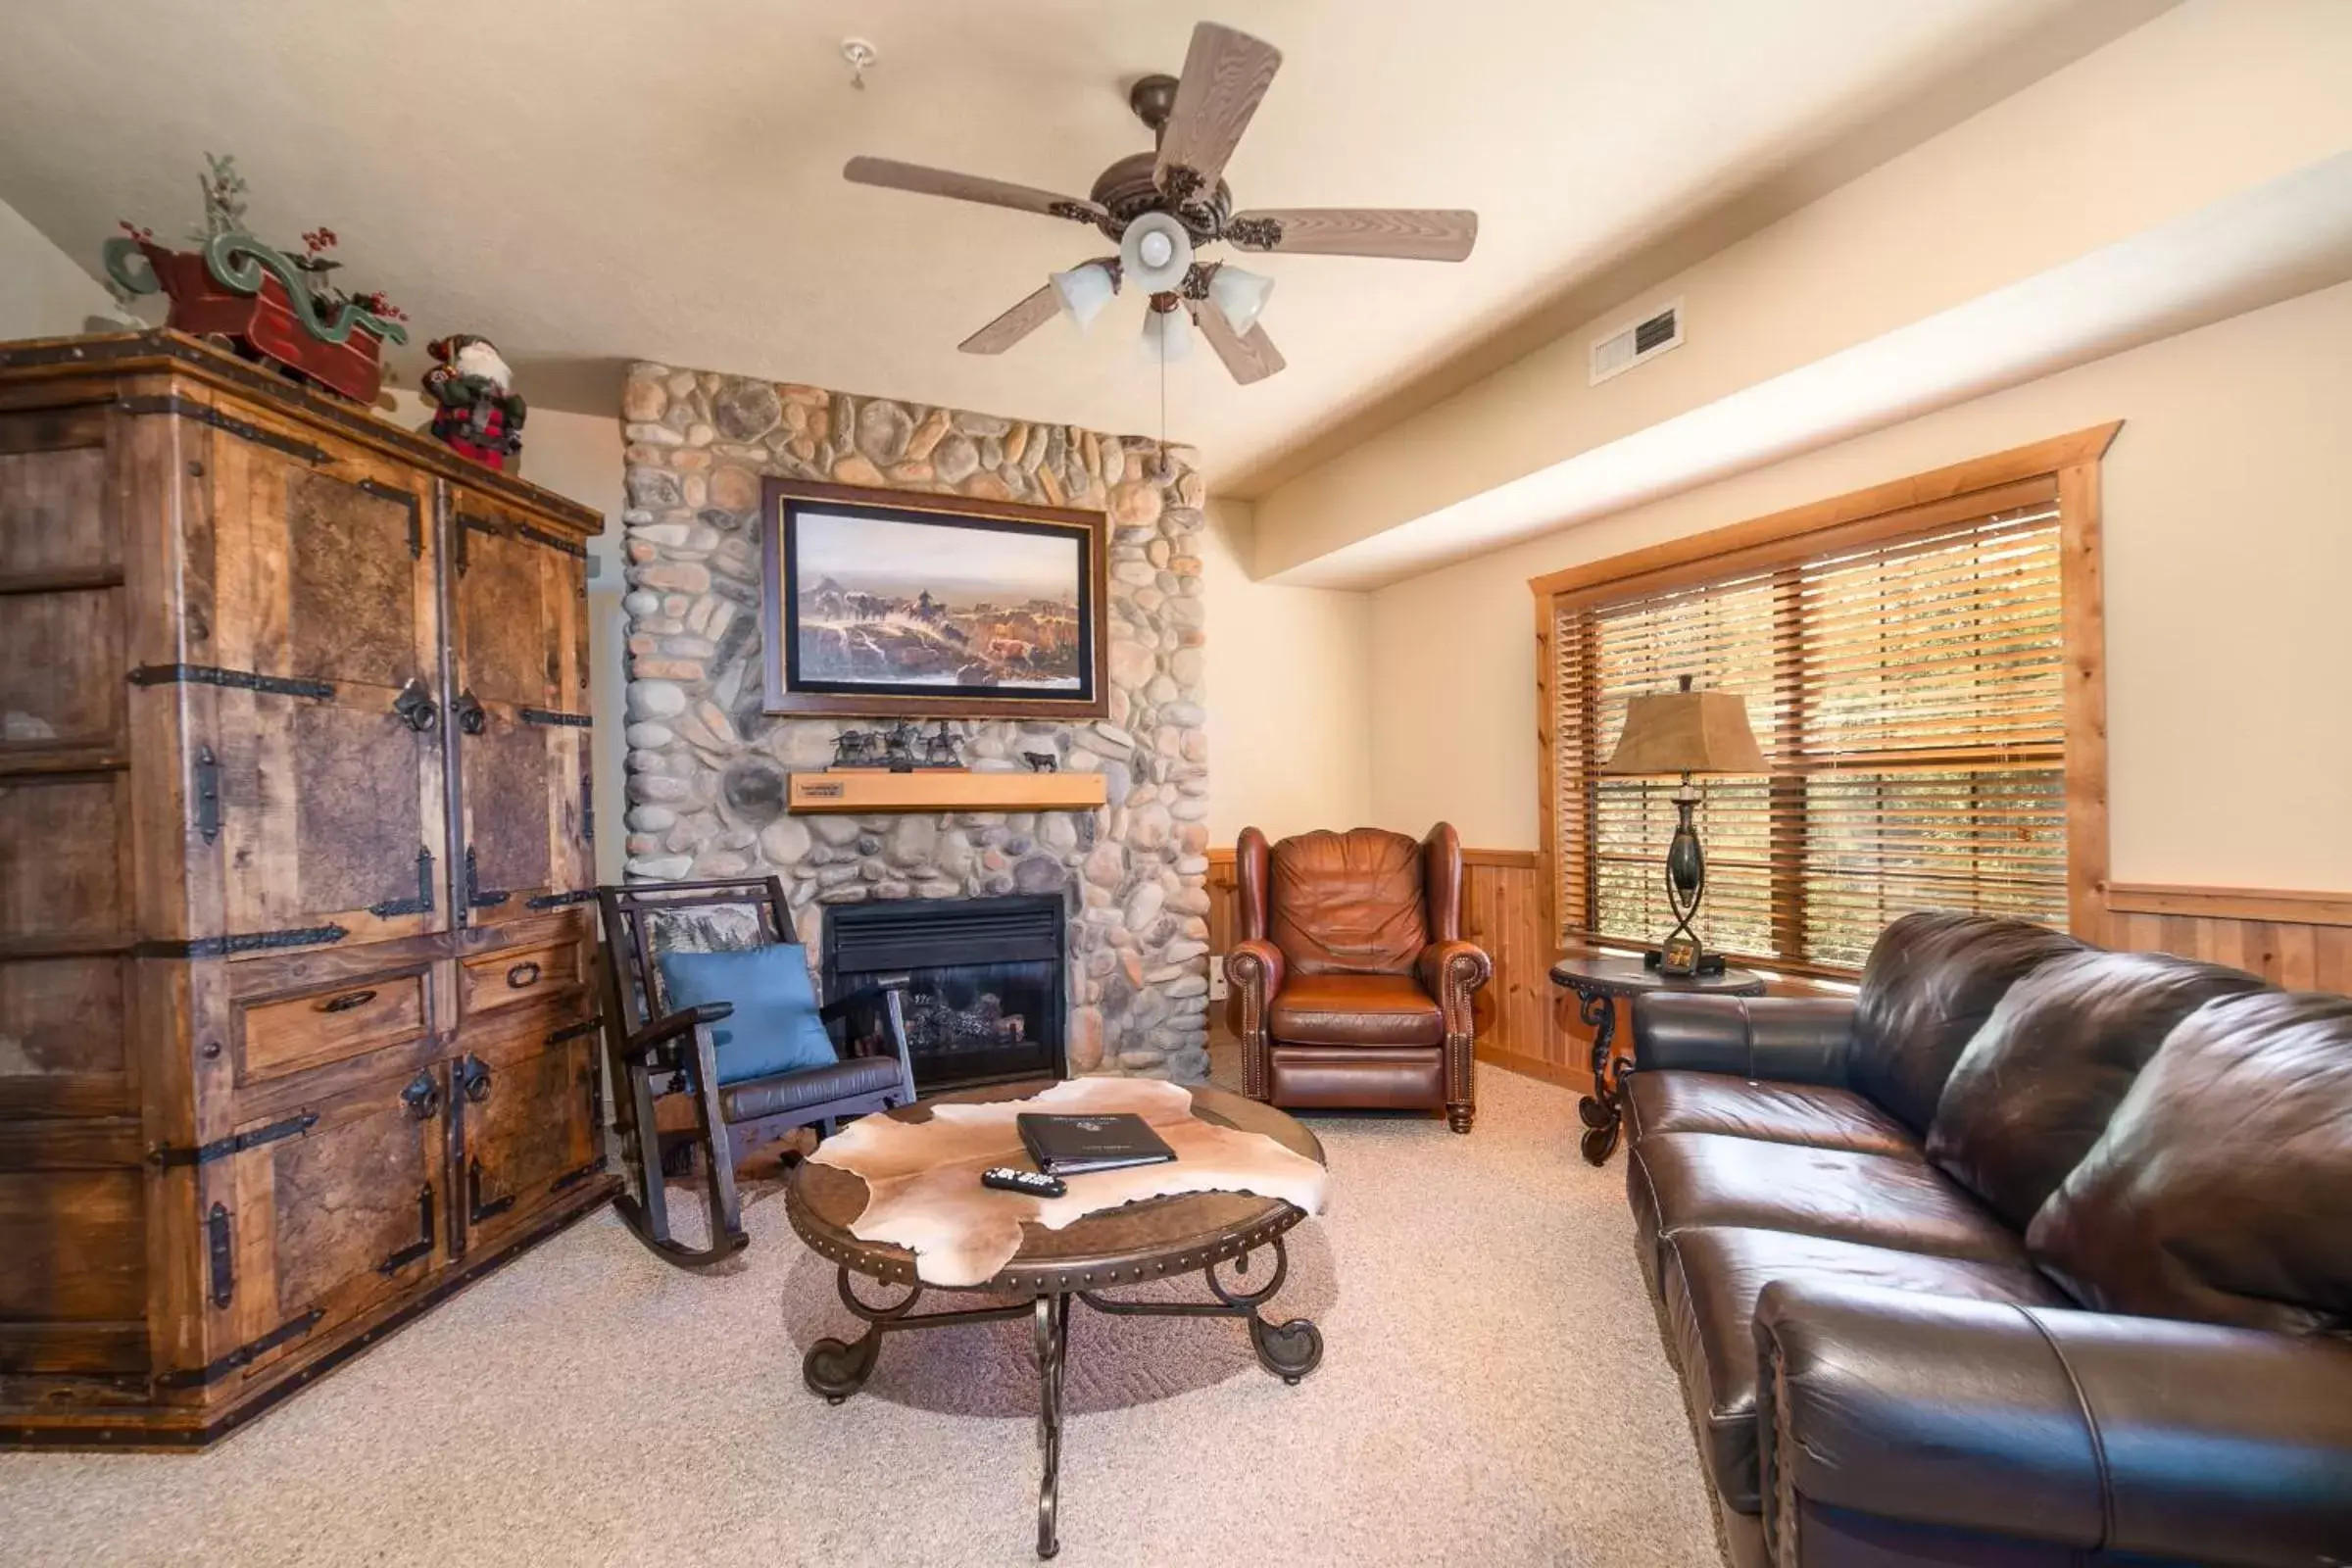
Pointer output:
167, 1156
190, 408
476, 897
220, 1246
206, 781
197, 1377
422, 903
422, 1246
476, 1211
244, 680
405, 498
244, 942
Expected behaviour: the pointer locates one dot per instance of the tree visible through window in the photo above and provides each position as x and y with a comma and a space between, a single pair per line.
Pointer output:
1908, 690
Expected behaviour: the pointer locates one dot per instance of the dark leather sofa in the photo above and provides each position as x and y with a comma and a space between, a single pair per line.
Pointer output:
2031, 1254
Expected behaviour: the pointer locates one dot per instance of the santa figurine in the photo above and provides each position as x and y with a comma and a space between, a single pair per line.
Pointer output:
476, 408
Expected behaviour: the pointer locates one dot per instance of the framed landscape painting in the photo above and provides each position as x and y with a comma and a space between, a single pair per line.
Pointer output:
890, 602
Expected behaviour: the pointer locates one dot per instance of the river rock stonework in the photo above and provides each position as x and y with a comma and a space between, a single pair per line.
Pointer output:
707, 767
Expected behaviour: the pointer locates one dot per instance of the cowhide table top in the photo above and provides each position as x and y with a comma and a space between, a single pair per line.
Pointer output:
923, 1177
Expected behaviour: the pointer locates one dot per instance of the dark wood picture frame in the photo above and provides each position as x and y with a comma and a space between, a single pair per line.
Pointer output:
786, 693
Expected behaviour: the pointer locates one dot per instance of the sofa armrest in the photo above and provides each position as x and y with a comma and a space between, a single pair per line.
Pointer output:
2087, 1430
1798, 1040
1453, 972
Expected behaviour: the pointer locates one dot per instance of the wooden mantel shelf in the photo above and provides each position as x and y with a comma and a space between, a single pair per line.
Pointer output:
943, 790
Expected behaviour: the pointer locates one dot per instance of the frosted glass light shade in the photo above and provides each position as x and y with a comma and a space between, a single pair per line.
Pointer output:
1159, 266
1239, 296
1084, 291
1167, 336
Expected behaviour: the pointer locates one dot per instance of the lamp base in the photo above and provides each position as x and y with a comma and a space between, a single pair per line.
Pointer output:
1681, 961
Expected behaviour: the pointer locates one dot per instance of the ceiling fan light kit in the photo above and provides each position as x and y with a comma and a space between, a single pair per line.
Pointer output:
1163, 205
1167, 334
1239, 294
1155, 252
1084, 291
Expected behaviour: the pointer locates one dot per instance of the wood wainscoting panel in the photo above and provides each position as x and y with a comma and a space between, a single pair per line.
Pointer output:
2302, 941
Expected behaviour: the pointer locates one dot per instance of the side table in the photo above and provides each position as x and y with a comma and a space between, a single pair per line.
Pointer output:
1597, 984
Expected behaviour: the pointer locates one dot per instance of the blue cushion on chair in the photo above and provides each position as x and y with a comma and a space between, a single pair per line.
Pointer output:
775, 1028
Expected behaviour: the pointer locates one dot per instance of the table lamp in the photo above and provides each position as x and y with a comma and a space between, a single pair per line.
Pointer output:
1687, 732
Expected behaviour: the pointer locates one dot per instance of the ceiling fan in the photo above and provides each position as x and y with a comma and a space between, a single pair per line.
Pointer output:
1161, 207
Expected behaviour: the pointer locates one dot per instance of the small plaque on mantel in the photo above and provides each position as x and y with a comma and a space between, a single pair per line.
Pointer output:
941, 789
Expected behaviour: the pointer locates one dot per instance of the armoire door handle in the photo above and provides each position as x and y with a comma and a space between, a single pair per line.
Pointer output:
470, 715
416, 708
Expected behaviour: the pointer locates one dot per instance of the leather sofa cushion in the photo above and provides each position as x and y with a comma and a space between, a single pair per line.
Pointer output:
1710, 1280
767, 1097
1810, 1114
1355, 1009
1348, 902
2222, 1189
1358, 1077
2035, 1088
1931, 980
1678, 1181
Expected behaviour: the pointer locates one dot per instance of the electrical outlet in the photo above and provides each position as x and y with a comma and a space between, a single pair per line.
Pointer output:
1216, 977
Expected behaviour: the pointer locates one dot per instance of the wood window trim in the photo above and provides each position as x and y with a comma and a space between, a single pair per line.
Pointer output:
2068, 464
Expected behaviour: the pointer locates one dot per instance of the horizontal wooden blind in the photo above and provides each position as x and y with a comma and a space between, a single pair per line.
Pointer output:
1906, 685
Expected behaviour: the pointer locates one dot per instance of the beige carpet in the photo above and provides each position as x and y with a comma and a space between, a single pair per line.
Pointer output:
1492, 1393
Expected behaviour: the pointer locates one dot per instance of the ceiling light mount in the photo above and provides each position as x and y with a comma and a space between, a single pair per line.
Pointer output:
863, 57
1153, 98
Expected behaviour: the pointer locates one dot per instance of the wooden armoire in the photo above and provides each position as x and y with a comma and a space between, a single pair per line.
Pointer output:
296, 1023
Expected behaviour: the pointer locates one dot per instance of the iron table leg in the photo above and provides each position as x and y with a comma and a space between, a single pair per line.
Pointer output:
1052, 1334
1289, 1351
1603, 1110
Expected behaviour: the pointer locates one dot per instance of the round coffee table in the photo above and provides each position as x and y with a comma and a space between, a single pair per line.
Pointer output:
1597, 983
1117, 1246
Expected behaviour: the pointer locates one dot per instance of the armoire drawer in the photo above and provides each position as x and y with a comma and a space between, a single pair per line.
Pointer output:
282, 1031
512, 977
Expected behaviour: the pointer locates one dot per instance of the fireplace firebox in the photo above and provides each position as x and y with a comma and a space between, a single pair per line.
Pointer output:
986, 994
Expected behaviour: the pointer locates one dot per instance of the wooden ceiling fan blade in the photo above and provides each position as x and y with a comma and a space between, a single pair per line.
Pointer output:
1014, 324
1225, 75
1405, 233
923, 181
1250, 356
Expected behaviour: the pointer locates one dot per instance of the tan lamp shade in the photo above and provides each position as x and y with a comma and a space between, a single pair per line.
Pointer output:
1687, 732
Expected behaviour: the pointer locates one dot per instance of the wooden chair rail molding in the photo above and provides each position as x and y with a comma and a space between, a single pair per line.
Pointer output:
2302, 941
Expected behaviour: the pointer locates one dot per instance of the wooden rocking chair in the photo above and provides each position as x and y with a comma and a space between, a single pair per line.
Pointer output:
654, 1050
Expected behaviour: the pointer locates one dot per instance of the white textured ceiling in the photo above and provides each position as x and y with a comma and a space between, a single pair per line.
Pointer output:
590, 182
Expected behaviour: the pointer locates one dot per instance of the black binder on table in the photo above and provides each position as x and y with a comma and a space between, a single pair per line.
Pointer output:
1074, 1146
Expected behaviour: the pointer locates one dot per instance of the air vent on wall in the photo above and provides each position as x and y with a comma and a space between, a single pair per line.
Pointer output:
1615, 353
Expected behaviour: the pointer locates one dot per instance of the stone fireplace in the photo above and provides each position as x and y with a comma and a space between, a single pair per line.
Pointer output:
707, 767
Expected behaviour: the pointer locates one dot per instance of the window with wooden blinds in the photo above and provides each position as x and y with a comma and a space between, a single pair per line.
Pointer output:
1905, 674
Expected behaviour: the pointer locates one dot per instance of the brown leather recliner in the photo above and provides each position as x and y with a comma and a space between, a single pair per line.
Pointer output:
1351, 984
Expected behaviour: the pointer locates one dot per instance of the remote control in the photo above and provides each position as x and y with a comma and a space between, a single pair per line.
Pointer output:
1036, 1184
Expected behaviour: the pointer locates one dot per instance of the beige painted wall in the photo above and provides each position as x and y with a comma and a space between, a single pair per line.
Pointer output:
1289, 739
43, 293
2214, 98
2228, 548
